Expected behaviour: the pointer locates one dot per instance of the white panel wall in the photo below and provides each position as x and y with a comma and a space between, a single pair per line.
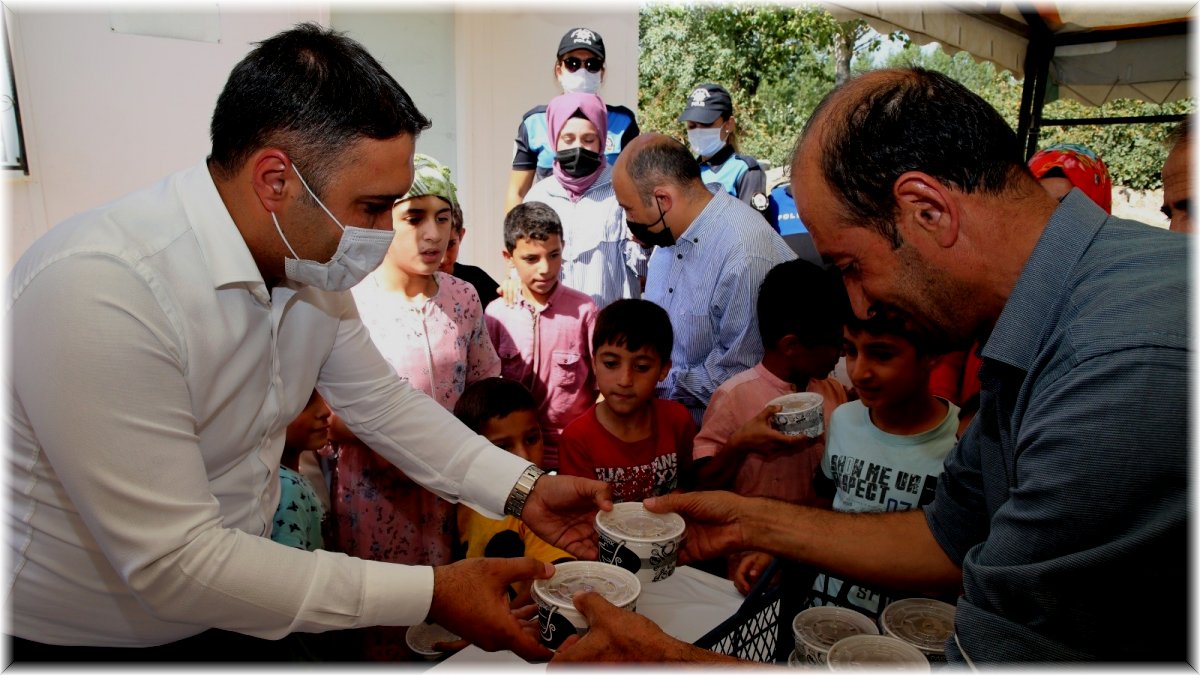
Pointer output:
106, 113
505, 67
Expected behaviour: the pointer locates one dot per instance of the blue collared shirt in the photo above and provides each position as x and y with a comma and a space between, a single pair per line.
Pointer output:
708, 283
1066, 501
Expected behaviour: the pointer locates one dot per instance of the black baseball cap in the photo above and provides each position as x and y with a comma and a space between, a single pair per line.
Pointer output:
581, 38
706, 103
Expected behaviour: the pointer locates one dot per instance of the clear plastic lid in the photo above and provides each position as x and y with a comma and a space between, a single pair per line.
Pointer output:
800, 400
631, 521
862, 652
421, 637
922, 622
618, 586
824, 626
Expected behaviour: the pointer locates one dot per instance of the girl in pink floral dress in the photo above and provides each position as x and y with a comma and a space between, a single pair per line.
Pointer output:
429, 326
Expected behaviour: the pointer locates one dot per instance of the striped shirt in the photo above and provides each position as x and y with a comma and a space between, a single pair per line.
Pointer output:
708, 283
1066, 501
599, 256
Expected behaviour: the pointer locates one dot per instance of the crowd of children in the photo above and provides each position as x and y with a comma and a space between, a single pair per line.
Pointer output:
561, 365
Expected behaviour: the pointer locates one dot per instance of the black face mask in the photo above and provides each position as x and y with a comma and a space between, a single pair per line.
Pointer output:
644, 235
578, 162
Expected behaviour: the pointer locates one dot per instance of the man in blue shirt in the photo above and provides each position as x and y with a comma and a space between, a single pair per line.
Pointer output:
1061, 515
712, 254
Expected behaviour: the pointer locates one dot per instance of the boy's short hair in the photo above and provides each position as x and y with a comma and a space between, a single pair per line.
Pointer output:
456, 218
800, 298
489, 398
634, 324
893, 325
530, 220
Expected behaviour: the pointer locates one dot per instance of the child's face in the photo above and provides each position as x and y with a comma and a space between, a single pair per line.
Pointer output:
885, 369
422, 231
310, 429
628, 379
517, 432
537, 264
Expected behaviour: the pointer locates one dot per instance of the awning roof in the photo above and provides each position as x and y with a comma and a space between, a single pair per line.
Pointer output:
1101, 51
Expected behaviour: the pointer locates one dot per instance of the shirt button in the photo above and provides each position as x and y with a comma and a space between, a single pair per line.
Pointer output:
679, 255
670, 290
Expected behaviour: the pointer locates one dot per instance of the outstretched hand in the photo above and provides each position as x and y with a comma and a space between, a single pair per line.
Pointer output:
470, 598
715, 522
759, 435
562, 511
619, 635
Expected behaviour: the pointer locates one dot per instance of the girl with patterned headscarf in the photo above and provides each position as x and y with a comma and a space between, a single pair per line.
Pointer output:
429, 326
600, 257
1063, 166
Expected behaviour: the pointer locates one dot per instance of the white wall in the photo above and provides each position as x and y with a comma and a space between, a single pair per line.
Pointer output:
106, 113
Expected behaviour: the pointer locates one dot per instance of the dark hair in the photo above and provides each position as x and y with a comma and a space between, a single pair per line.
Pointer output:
530, 220
892, 325
916, 120
633, 324
311, 92
456, 217
820, 319
489, 398
1180, 134
662, 160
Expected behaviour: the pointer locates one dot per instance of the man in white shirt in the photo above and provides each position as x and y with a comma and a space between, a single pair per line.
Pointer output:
161, 345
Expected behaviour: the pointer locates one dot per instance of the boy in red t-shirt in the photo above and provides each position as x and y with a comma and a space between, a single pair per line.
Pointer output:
636, 443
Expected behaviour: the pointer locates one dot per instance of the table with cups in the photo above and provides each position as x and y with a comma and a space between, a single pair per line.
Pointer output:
636, 570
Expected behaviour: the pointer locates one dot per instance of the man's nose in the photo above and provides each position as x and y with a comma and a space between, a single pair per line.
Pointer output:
858, 300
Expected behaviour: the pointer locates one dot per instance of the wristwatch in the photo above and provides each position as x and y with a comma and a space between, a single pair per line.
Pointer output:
515, 504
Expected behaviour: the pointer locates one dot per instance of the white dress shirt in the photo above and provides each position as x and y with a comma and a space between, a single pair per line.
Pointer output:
153, 377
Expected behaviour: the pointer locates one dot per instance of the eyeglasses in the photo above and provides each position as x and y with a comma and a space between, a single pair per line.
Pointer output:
572, 63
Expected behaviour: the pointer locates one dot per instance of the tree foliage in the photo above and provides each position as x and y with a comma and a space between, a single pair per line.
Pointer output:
779, 61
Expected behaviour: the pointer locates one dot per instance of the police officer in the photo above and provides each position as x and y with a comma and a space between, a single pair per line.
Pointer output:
710, 130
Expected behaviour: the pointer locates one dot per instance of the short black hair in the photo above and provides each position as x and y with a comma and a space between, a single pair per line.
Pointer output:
891, 325
800, 298
918, 120
311, 92
633, 324
530, 220
663, 160
456, 217
490, 398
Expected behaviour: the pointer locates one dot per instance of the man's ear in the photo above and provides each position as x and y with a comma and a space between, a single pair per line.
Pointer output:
269, 168
927, 206
663, 197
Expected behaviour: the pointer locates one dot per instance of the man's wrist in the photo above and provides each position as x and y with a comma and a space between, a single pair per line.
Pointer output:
515, 504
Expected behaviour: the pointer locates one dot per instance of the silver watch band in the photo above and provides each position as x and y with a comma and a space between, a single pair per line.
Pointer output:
515, 504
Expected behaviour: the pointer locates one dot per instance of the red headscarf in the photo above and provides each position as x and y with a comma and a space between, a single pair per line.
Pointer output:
1081, 166
558, 111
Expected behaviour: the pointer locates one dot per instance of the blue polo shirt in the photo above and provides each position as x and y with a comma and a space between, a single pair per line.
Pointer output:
740, 175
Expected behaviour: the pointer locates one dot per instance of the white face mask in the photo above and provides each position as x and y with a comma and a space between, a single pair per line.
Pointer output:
359, 252
579, 82
705, 142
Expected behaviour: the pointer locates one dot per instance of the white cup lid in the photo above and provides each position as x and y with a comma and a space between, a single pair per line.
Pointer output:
800, 400
619, 586
823, 626
859, 652
631, 521
923, 622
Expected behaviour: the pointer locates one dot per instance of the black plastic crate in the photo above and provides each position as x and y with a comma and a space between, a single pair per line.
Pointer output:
761, 629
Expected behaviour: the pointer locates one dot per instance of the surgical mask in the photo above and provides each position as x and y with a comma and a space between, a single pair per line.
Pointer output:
644, 235
359, 252
705, 142
579, 82
578, 161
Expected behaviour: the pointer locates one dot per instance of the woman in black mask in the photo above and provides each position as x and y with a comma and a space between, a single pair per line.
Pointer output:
600, 258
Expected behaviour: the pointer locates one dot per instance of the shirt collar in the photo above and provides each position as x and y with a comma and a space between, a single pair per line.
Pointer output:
708, 218
221, 244
1017, 336
772, 379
